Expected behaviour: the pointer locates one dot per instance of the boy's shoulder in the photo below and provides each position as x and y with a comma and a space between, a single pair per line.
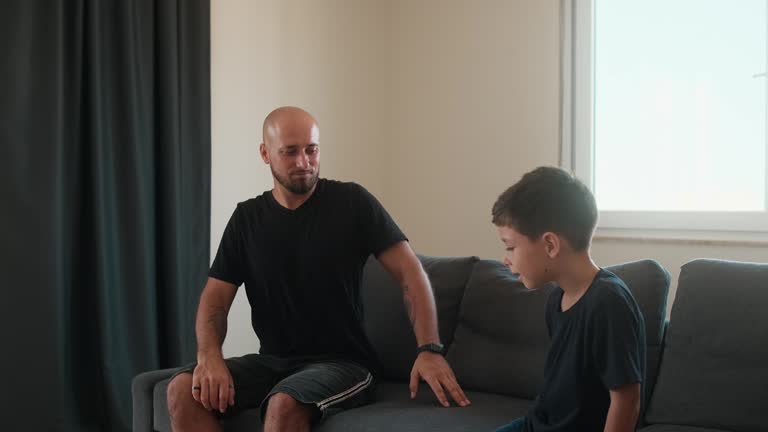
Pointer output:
607, 296
610, 296
609, 284
605, 288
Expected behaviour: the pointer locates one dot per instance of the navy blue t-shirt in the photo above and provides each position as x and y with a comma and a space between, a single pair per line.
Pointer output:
302, 268
596, 345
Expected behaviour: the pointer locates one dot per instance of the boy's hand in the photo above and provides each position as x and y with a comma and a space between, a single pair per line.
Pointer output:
432, 368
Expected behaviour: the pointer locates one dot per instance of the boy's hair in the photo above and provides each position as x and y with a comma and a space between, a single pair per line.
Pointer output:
549, 199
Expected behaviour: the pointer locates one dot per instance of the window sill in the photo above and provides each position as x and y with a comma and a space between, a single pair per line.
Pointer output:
698, 238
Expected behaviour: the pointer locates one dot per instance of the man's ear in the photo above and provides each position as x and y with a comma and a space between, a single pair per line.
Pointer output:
264, 154
552, 244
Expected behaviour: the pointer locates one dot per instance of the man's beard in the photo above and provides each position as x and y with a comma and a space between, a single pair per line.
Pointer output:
299, 186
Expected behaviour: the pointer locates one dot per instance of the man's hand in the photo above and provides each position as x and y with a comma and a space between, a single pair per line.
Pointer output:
212, 384
433, 369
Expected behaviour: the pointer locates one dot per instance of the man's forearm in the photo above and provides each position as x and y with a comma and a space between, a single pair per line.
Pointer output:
401, 262
211, 329
420, 306
211, 321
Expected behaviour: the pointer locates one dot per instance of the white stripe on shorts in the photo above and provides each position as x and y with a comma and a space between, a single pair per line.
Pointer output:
346, 394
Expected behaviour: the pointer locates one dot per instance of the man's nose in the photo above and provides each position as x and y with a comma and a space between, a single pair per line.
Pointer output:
302, 160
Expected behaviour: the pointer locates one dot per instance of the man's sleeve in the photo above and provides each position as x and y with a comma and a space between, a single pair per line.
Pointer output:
379, 229
618, 342
227, 266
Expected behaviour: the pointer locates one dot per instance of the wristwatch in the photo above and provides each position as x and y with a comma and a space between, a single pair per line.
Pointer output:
431, 347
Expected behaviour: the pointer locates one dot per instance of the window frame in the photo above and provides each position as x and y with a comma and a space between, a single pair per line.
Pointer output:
577, 145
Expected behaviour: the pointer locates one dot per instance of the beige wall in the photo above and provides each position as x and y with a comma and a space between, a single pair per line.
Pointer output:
320, 55
435, 105
474, 104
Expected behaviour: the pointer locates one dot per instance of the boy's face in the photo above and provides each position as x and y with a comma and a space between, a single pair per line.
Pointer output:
526, 258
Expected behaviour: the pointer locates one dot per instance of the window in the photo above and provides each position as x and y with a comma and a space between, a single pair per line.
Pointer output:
664, 111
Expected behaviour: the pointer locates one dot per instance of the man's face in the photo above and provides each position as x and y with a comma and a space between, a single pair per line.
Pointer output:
294, 158
525, 258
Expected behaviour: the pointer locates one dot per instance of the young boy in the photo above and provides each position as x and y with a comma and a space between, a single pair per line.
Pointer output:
595, 366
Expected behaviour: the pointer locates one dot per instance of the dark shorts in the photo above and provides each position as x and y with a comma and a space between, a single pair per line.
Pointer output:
328, 385
517, 425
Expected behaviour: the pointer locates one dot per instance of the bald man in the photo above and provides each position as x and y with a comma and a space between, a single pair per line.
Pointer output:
300, 250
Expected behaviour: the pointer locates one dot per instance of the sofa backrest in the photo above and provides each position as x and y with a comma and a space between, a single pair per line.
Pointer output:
501, 340
714, 370
386, 322
649, 283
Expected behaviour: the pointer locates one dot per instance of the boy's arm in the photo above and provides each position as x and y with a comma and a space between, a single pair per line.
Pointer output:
624, 409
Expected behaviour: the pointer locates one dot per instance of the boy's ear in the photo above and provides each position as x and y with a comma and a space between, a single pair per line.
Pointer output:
552, 244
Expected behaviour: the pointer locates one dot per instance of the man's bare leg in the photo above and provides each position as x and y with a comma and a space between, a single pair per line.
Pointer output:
285, 414
187, 414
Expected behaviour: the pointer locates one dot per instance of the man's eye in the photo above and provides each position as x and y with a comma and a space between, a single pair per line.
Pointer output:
312, 150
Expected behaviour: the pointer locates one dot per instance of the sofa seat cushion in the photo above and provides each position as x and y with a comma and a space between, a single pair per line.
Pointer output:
386, 322
501, 341
714, 372
395, 411
676, 428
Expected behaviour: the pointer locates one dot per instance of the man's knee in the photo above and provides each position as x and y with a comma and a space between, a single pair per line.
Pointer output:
284, 406
179, 394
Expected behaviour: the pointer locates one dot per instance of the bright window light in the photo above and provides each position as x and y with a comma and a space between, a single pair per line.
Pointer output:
665, 110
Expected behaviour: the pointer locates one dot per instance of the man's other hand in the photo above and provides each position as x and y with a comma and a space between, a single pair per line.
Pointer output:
432, 368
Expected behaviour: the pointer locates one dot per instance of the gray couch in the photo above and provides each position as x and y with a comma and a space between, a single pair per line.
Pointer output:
708, 372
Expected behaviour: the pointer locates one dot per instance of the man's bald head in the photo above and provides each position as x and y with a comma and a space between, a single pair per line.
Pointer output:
288, 121
291, 148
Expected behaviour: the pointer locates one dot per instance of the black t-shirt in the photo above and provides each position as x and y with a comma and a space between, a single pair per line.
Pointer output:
596, 345
302, 268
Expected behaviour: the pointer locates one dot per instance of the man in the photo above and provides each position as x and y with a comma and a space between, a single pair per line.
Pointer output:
300, 250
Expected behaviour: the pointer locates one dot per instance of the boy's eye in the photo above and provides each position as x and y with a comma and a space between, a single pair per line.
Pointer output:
510, 249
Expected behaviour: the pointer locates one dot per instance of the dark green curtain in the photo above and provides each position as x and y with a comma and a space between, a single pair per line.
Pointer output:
104, 226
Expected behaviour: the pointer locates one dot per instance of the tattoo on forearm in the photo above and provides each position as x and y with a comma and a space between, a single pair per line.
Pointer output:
408, 305
217, 320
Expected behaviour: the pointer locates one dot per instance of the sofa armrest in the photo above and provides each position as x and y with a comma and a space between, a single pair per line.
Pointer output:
142, 390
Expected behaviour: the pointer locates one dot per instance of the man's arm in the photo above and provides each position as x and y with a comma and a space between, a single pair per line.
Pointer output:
212, 383
401, 262
624, 409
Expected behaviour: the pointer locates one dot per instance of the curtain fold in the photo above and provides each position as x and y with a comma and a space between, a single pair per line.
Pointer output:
105, 148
